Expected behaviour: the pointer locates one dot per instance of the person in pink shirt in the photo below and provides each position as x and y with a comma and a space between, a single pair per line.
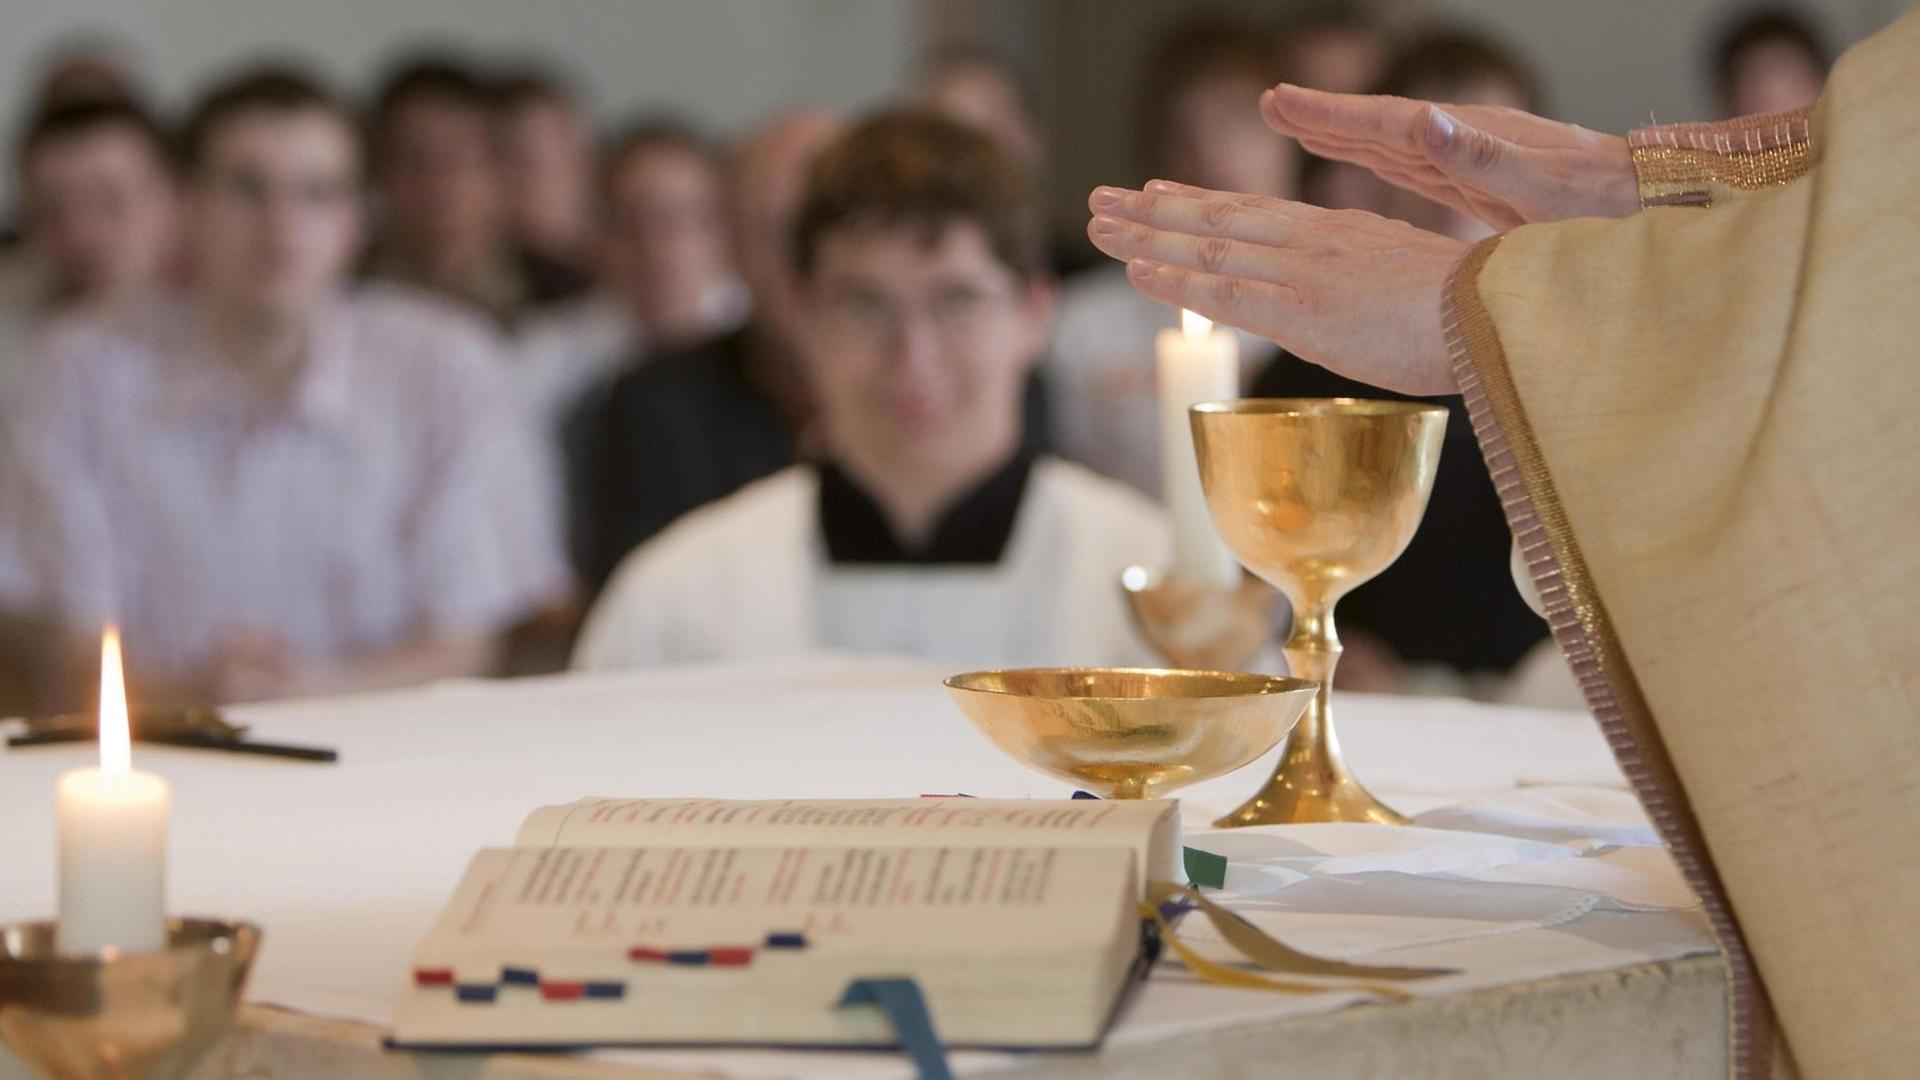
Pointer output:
277, 482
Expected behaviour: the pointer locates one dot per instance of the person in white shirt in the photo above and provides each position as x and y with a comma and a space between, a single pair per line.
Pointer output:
665, 266
927, 530
100, 217
277, 482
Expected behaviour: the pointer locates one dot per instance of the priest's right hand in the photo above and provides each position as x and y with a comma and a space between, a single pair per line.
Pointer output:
1504, 166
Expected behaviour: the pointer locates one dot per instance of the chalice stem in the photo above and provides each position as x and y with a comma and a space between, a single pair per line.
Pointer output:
1312, 782
1313, 651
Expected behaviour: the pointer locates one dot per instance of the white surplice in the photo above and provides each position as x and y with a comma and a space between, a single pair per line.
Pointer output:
749, 577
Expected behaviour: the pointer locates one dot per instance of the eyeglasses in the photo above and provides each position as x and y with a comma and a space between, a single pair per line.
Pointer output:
252, 187
950, 312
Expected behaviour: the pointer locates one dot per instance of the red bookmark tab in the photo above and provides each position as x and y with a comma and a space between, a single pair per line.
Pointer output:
433, 976
729, 957
562, 991
645, 955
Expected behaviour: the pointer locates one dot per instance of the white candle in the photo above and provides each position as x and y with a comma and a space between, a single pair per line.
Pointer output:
1197, 363
113, 836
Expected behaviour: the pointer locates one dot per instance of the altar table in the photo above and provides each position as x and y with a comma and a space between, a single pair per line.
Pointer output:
1529, 868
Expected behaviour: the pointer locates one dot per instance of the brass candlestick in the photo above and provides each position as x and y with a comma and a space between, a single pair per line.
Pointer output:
122, 1016
1198, 624
1316, 496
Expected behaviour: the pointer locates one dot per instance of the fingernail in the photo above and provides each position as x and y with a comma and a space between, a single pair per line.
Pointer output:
1140, 270
1105, 226
1105, 198
1439, 128
1162, 187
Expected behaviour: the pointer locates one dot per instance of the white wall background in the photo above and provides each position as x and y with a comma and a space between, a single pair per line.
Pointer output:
1608, 64
722, 63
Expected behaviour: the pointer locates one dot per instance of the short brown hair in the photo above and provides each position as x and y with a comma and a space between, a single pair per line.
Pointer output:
1192, 54
531, 84
72, 120
915, 169
263, 89
1438, 65
649, 135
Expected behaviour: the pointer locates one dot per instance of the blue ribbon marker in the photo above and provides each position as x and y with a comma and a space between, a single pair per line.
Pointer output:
906, 1010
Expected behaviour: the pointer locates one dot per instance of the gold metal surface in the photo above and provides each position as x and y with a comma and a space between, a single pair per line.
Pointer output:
1316, 496
1199, 624
106, 1016
1130, 733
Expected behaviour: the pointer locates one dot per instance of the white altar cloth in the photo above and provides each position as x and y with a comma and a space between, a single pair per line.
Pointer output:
1529, 858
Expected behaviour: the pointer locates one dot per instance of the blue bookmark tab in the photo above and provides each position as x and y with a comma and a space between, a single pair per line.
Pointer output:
907, 1011
519, 976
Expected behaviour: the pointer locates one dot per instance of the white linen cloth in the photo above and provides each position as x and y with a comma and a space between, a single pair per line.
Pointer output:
1530, 860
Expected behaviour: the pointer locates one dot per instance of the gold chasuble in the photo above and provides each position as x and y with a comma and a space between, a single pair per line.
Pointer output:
1705, 423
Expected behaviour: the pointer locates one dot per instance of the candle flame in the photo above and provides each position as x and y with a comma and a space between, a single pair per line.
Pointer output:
1195, 326
116, 740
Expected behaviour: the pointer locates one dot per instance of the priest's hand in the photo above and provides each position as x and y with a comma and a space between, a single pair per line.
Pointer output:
1504, 166
1351, 291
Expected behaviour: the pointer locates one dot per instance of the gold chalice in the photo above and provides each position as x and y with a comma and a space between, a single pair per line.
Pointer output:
1316, 496
122, 1016
1130, 733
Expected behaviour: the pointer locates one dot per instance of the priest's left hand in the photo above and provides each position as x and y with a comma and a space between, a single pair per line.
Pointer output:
1351, 291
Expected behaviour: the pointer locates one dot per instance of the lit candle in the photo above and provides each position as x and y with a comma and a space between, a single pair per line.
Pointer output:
113, 836
1197, 363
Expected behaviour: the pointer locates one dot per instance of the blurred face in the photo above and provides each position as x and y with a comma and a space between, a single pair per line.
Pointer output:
544, 164
919, 352
275, 212
1770, 77
101, 210
1341, 60
441, 179
983, 100
768, 178
1219, 141
665, 237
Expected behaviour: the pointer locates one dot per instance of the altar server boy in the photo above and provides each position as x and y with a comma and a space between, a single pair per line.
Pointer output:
926, 529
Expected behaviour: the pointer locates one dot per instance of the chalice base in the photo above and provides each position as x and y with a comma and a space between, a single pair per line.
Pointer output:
1302, 793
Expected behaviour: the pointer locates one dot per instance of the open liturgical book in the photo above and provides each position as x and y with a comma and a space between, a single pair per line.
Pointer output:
631, 921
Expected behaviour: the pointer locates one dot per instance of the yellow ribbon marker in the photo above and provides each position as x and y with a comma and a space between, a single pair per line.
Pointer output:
1266, 952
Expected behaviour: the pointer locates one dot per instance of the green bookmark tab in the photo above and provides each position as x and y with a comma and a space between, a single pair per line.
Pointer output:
1205, 870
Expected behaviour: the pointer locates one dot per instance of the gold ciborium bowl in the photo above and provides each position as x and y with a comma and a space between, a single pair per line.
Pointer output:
1316, 496
126, 1016
1130, 733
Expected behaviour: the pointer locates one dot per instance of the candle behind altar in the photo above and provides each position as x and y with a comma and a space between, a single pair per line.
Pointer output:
1197, 363
113, 836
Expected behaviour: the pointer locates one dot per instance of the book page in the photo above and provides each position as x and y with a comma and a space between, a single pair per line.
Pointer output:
1150, 828
756, 943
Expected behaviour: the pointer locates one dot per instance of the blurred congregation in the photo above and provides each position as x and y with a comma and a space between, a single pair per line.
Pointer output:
318, 388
